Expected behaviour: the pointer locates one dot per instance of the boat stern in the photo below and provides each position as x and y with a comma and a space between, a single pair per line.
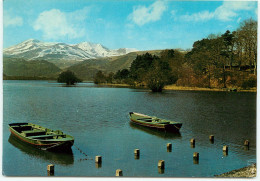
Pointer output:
173, 127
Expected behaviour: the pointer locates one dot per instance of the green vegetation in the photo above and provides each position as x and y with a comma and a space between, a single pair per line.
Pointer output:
249, 83
219, 61
147, 69
223, 61
87, 69
14, 67
68, 77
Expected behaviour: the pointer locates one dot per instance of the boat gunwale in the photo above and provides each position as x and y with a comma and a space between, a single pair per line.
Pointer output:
44, 142
164, 125
161, 121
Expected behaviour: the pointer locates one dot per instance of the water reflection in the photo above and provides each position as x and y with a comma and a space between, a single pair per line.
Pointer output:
169, 149
246, 148
159, 133
195, 161
98, 165
60, 158
225, 153
160, 170
137, 157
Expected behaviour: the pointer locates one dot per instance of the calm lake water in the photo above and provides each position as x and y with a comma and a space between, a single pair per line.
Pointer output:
97, 117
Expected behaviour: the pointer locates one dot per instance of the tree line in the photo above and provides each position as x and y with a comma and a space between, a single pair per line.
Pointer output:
221, 61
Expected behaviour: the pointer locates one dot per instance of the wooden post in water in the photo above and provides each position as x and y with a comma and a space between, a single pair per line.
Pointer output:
246, 143
195, 157
169, 147
137, 153
98, 159
225, 150
192, 143
211, 138
50, 170
119, 172
161, 164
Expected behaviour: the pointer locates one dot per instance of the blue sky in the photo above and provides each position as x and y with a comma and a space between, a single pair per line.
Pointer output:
143, 24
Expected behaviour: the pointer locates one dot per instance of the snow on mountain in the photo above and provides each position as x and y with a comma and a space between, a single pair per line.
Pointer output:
34, 49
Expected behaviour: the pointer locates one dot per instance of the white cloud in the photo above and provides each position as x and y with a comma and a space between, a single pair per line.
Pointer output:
12, 20
56, 24
226, 12
201, 16
142, 15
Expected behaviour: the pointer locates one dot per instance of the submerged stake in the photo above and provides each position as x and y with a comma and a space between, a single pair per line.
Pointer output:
246, 143
161, 164
137, 152
119, 172
225, 148
98, 159
196, 155
50, 169
192, 141
211, 137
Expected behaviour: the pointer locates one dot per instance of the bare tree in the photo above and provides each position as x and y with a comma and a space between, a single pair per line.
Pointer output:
247, 33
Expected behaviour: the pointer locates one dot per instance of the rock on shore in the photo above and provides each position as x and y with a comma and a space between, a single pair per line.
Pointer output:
249, 171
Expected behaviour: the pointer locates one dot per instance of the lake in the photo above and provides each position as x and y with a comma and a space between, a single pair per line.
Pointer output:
97, 117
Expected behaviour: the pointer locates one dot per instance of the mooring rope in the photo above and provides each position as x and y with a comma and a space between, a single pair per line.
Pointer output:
82, 152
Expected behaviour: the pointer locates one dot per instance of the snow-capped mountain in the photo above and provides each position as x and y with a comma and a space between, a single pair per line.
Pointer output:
34, 49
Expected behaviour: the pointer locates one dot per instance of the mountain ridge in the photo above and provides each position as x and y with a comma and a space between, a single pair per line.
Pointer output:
33, 49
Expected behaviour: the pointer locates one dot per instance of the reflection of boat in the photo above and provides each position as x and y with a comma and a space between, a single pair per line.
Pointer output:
162, 134
41, 137
65, 158
154, 122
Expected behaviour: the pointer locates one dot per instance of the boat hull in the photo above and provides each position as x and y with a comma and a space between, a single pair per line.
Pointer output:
172, 127
50, 145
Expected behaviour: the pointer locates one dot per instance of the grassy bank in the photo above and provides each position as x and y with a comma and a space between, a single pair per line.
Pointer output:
115, 85
174, 87
245, 172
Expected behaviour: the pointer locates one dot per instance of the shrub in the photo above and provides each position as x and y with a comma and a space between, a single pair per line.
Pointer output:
249, 83
68, 77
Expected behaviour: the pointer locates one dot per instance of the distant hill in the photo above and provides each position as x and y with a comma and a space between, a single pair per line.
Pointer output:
87, 69
28, 67
34, 68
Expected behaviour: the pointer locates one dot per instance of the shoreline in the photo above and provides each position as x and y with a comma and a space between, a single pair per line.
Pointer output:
182, 88
171, 87
174, 87
245, 172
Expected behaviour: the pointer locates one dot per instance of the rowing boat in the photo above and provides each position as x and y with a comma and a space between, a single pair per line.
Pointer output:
41, 137
154, 122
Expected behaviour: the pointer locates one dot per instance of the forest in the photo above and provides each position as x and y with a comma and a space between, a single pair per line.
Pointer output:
227, 60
